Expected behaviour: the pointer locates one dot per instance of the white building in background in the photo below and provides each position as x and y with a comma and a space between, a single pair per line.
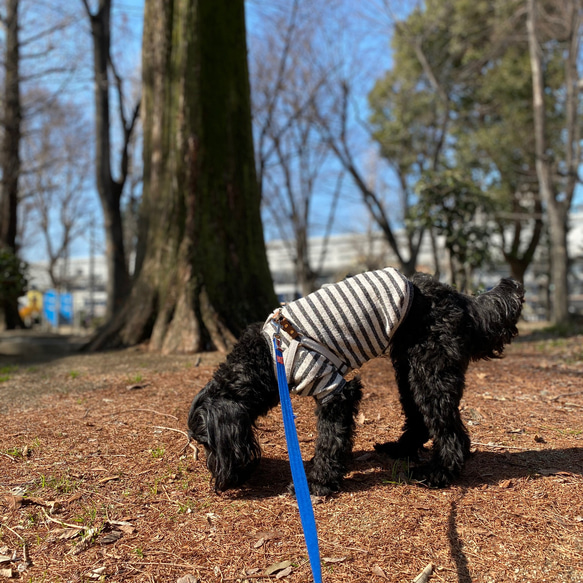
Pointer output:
342, 255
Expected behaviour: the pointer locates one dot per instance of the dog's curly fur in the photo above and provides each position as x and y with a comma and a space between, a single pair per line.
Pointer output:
431, 350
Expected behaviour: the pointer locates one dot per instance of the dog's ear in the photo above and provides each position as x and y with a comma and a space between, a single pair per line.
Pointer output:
233, 451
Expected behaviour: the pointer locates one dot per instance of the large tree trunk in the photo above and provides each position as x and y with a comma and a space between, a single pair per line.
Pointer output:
110, 190
202, 266
10, 155
557, 203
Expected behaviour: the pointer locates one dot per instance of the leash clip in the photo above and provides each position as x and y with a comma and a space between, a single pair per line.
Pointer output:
277, 335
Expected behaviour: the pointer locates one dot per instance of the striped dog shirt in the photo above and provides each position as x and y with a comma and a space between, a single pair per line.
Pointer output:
340, 327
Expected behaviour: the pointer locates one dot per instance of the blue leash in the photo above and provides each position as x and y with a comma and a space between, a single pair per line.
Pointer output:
297, 467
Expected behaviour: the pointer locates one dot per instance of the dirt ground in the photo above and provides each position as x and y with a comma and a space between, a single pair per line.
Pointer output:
96, 484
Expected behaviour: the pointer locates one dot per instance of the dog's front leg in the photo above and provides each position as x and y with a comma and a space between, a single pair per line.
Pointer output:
335, 426
415, 432
451, 442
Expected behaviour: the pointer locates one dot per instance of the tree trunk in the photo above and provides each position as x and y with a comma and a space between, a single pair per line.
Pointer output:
10, 154
557, 204
110, 190
519, 261
202, 265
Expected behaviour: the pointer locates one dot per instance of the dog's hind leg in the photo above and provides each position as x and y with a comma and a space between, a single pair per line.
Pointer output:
438, 397
415, 432
335, 426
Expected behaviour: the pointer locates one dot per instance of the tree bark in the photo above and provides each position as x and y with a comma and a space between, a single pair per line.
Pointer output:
10, 154
557, 203
202, 272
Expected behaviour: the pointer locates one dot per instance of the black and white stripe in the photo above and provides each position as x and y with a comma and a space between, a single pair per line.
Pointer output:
354, 319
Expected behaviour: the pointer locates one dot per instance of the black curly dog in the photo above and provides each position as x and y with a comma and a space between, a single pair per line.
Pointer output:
431, 349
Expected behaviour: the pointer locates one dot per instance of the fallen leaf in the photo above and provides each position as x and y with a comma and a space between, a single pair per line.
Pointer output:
284, 573
187, 579
378, 571
211, 517
74, 497
111, 537
5, 558
107, 479
331, 560
269, 535
277, 567
119, 522
137, 386
14, 502
96, 573
361, 418
69, 533
6, 573
85, 543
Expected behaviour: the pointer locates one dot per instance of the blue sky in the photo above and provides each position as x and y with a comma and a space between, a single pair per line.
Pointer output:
368, 41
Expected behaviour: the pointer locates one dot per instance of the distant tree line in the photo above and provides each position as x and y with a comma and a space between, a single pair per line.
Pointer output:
471, 129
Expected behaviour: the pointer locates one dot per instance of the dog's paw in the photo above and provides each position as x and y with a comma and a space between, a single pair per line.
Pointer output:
432, 476
397, 450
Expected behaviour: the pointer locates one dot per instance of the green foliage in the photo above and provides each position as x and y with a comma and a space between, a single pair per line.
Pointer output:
459, 96
457, 209
13, 280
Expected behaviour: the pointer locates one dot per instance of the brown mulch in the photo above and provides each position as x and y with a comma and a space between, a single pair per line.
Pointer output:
95, 484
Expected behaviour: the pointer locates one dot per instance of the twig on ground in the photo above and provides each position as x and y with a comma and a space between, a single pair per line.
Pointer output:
500, 446
188, 444
116, 413
61, 523
423, 577
171, 429
557, 397
12, 531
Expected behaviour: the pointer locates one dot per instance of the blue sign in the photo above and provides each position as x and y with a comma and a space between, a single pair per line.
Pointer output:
50, 307
58, 308
66, 309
